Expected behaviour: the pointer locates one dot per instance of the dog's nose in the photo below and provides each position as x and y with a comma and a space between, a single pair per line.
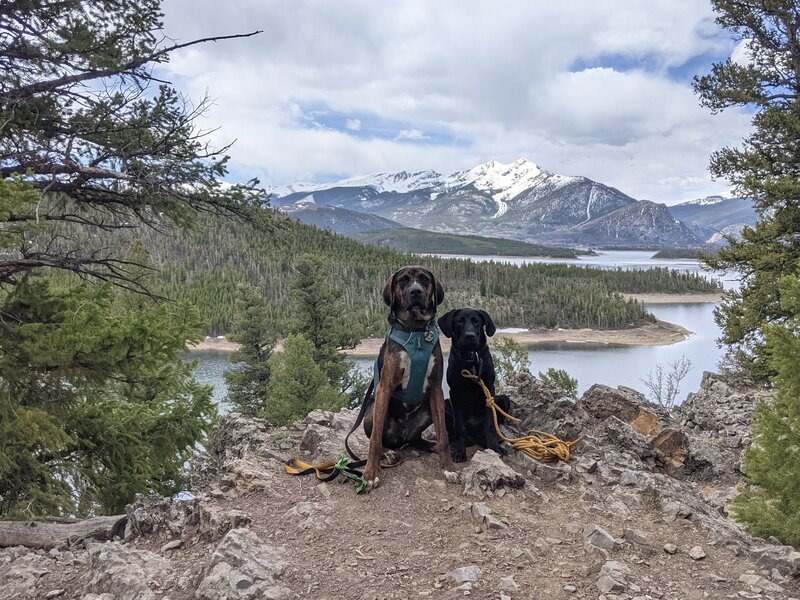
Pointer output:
470, 335
415, 291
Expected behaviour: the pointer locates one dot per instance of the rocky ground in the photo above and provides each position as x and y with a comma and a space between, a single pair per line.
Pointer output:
639, 513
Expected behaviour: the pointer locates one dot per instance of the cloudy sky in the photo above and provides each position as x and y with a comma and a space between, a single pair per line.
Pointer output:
599, 88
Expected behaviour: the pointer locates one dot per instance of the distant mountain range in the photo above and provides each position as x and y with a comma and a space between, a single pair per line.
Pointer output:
519, 201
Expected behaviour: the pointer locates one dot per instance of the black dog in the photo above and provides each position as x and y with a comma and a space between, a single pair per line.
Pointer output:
469, 420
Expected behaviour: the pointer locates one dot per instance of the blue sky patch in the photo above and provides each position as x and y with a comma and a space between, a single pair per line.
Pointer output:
369, 126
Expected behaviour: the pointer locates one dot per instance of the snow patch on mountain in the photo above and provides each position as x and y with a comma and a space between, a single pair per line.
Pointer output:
502, 181
400, 182
707, 201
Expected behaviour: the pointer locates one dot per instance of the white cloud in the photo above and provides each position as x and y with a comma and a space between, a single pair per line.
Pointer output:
582, 87
742, 53
411, 134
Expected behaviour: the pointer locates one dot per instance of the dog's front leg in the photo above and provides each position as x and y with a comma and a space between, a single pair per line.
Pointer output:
379, 410
458, 445
442, 443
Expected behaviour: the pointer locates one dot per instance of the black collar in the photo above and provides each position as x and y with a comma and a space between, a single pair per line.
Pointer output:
403, 326
471, 360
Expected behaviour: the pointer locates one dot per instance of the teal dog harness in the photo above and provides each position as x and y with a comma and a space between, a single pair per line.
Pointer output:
419, 346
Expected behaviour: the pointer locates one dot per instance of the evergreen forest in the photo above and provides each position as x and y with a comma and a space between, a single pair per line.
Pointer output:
203, 265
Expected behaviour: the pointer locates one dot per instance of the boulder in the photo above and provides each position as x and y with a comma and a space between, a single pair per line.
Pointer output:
20, 570
124, 572
242, 567
487, 471
596, 536
542, 405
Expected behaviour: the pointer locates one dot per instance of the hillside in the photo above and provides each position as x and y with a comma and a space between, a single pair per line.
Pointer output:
206, 264
430, 242
338, 220
639, 512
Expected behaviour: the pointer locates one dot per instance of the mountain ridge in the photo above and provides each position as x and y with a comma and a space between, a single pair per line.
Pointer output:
523, 201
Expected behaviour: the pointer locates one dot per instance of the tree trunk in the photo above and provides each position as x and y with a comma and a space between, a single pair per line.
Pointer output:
40, 534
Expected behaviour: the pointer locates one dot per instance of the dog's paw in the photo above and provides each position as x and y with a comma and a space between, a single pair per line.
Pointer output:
371, 484
459, 454
499, 449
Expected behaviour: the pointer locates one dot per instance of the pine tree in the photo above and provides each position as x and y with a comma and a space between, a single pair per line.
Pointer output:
96, 403
247, 383
320, 317
770, 504
766, 167
762, 320
298, 383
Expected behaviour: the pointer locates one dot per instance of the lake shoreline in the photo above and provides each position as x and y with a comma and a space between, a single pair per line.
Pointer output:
657, 334
692, 298
652, 334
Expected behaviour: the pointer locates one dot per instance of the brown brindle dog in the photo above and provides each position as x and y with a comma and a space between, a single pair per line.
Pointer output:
407, 402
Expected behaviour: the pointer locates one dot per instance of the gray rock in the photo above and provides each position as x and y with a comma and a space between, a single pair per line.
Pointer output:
626, 439
670, 548
487, 471
465, 574
552, 471
243, 567
697, 553
483, 515
629, 478
596, 536
639, 539
20, 575
672, 510
613, 577
757, 581
542, 405
507, 584
124, 571
785, 559
606, 585
173, 545
154, 514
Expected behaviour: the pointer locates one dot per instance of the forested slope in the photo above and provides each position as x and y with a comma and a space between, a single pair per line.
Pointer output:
205, 264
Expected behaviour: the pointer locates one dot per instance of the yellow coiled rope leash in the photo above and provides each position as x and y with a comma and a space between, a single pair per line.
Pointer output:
539, 445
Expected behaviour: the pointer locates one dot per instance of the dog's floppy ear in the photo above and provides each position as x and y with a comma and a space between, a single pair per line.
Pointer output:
388, 290
490, 327
446, 323
438, 290
438, 293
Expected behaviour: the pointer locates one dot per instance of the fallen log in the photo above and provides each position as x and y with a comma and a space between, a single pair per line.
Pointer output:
46, 535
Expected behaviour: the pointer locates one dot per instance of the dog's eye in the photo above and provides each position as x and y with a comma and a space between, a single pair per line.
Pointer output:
403, 279
423, 279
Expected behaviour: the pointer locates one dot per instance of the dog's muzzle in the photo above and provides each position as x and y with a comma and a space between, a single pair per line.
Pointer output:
415, 295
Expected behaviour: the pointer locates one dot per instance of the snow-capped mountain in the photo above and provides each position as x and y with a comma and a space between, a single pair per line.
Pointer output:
502, 182
715, 215
518, 200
